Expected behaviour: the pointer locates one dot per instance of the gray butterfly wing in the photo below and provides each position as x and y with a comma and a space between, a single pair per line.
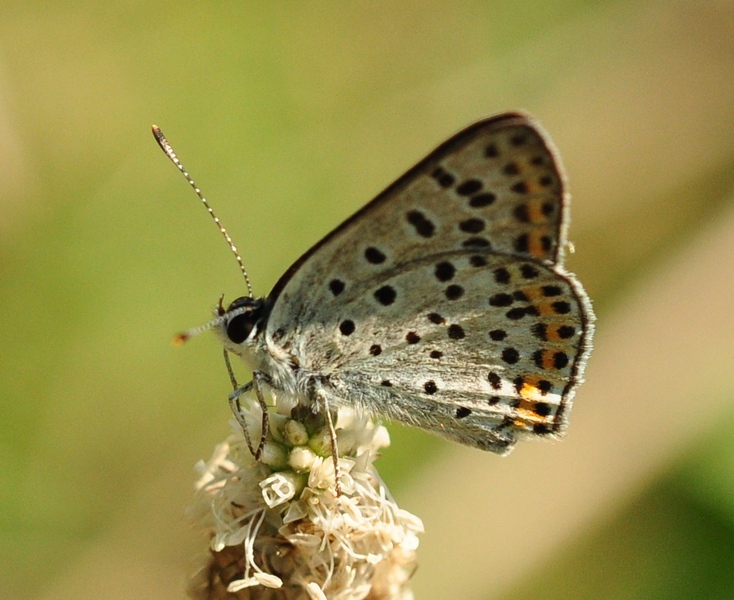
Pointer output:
443, 303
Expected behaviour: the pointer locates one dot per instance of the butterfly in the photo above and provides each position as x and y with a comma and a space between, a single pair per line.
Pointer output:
442, 304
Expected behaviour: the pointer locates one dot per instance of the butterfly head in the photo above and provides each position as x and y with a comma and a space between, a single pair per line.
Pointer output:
241, 322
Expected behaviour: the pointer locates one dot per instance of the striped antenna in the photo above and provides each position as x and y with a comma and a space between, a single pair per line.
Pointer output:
166, 147
183, 337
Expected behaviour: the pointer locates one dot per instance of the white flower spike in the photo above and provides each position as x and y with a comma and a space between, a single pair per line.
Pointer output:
278, 529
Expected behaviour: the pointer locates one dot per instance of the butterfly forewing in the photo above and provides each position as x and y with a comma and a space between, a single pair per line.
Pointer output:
443, 302
495, 185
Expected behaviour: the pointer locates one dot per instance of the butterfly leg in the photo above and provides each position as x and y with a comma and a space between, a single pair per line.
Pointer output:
259, 377
234, 404
319, 398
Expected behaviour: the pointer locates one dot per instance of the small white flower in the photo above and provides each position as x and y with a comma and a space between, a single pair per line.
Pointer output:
279, 488
301, 459
279, 525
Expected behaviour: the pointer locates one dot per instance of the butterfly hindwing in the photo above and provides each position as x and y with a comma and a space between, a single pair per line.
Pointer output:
492, 348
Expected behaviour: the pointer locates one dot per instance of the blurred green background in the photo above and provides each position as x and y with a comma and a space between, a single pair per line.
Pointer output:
291, 116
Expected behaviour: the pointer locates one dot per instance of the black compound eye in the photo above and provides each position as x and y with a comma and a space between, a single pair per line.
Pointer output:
239, 327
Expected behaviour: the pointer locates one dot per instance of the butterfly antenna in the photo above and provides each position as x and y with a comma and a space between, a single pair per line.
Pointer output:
166, 147
185, 336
